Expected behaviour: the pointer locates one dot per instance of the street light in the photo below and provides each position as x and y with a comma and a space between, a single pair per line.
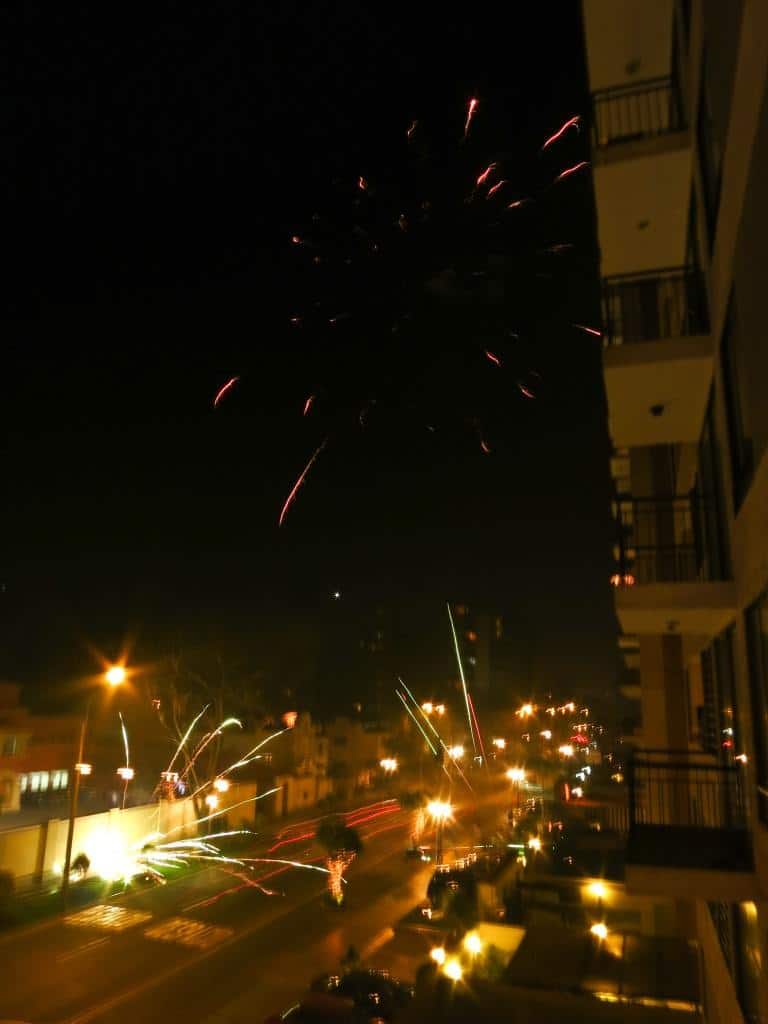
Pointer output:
113, 677
600, 931
388, 764
473, 943
516, 774
456, 752
439, 811
453, 970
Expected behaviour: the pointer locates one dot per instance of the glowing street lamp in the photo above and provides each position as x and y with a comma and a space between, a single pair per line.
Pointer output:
566, 750
438, 955
525, 711
534, 843
600, 931
456, 752
113, 677
516, 775
427, 707
126, 773
499, 744
221, 785
440, 709
473, 943
388, 764
546, 734
212, 800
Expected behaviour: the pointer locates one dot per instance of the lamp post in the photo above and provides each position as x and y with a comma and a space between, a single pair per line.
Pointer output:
439, 811
113, 677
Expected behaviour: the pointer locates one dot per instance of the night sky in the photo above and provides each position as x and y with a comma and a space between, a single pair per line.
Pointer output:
154, 174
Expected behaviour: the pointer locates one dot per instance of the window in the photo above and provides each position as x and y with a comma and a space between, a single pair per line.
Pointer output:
731, 361
23, 783
710, 156
34, 782
44, 781
9, 746
757, 641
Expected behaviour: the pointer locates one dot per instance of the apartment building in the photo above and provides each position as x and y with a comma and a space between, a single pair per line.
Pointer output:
680, 159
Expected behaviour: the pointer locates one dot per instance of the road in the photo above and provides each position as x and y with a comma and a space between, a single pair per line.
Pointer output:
195, 950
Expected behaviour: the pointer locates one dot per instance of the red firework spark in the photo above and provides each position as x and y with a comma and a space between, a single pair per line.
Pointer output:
589, 330
485, 447
295, 239
223, 390
496, 188
308, 404
571, 170
412, 128
473, 105
362, 184
492, 356
573, 122
517, 202
484, 176
299, 482
524, 391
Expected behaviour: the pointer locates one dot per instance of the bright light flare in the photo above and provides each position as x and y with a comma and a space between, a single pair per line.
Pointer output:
115, 675
125, 773
440, 810
473, 943
308, 405
389, 764
456, 752
589, 330
597, 890
221, 785
427, 707
546, 734
83, 769
600, 931
566, 750
515, 774
452, 969
525, 711
438, 955
534, 843
499, 743
223, 390
212, 801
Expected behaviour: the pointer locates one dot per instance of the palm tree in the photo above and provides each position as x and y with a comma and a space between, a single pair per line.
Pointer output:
341, 844
414, 801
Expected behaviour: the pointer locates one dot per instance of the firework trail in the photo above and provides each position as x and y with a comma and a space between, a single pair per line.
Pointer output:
247, 758
185, 737
573, 122
440, 739
495, 188
492, 356
485, 447
571, 170
482, 178
125, 739
411, 129
299, 482
477, 728
590, 330
461, 674
473, 105
427, 740
223, 390
207, 739
308, 404
515, 204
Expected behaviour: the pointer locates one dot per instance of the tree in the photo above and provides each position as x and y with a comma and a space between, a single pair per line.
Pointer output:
414, 801
341, 844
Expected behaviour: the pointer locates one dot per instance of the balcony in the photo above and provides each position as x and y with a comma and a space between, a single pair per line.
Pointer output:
688, 828
670, 571
646, 110
657, 357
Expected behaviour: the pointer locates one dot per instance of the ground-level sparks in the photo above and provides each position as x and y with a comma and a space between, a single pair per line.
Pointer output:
299, 482
223, 390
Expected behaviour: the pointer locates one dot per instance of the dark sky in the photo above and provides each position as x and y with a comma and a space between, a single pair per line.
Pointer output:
154, 174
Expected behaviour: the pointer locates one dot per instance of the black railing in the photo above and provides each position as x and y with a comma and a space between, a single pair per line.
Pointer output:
654, 305
685, 789
637, 111
657, 540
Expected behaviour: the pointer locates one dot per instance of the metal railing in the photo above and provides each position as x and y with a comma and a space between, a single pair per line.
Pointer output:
685, 789
637, 111
656, 540
653, 305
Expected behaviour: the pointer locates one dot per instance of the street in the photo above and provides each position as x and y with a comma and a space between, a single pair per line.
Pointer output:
209, 947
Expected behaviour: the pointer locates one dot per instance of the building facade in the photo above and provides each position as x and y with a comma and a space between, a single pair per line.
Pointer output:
680, 160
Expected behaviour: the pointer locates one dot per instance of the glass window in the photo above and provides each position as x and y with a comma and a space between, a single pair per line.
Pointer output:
44, 781
55, 780
732, 364
757, 640
64, 779
34, 782
23, 783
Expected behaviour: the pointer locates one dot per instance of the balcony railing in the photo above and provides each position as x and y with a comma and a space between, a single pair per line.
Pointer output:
684, 789
665, 540
654, 305
637, 111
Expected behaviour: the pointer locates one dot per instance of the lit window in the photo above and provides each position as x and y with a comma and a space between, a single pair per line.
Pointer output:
23, 783
44, 780
34, 781
55, 780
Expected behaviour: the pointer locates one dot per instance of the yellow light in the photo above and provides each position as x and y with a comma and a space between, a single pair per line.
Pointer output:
440, 709
617, 777
598, 890
125, 773
221, 785
534, 843
499, 744
452, 969
546, 734
566, 750
438, 955
212, 800
388, 764
83, 769
578, 792
525, 711
439, 810
456, 752
473, 943
115, 675
551, 711
741, 757
600, 931
515, 774
428, 707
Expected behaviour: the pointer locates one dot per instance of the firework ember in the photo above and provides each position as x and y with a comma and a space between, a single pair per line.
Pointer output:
573, 122
299, 482
571, 170
471, 109
223, 390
